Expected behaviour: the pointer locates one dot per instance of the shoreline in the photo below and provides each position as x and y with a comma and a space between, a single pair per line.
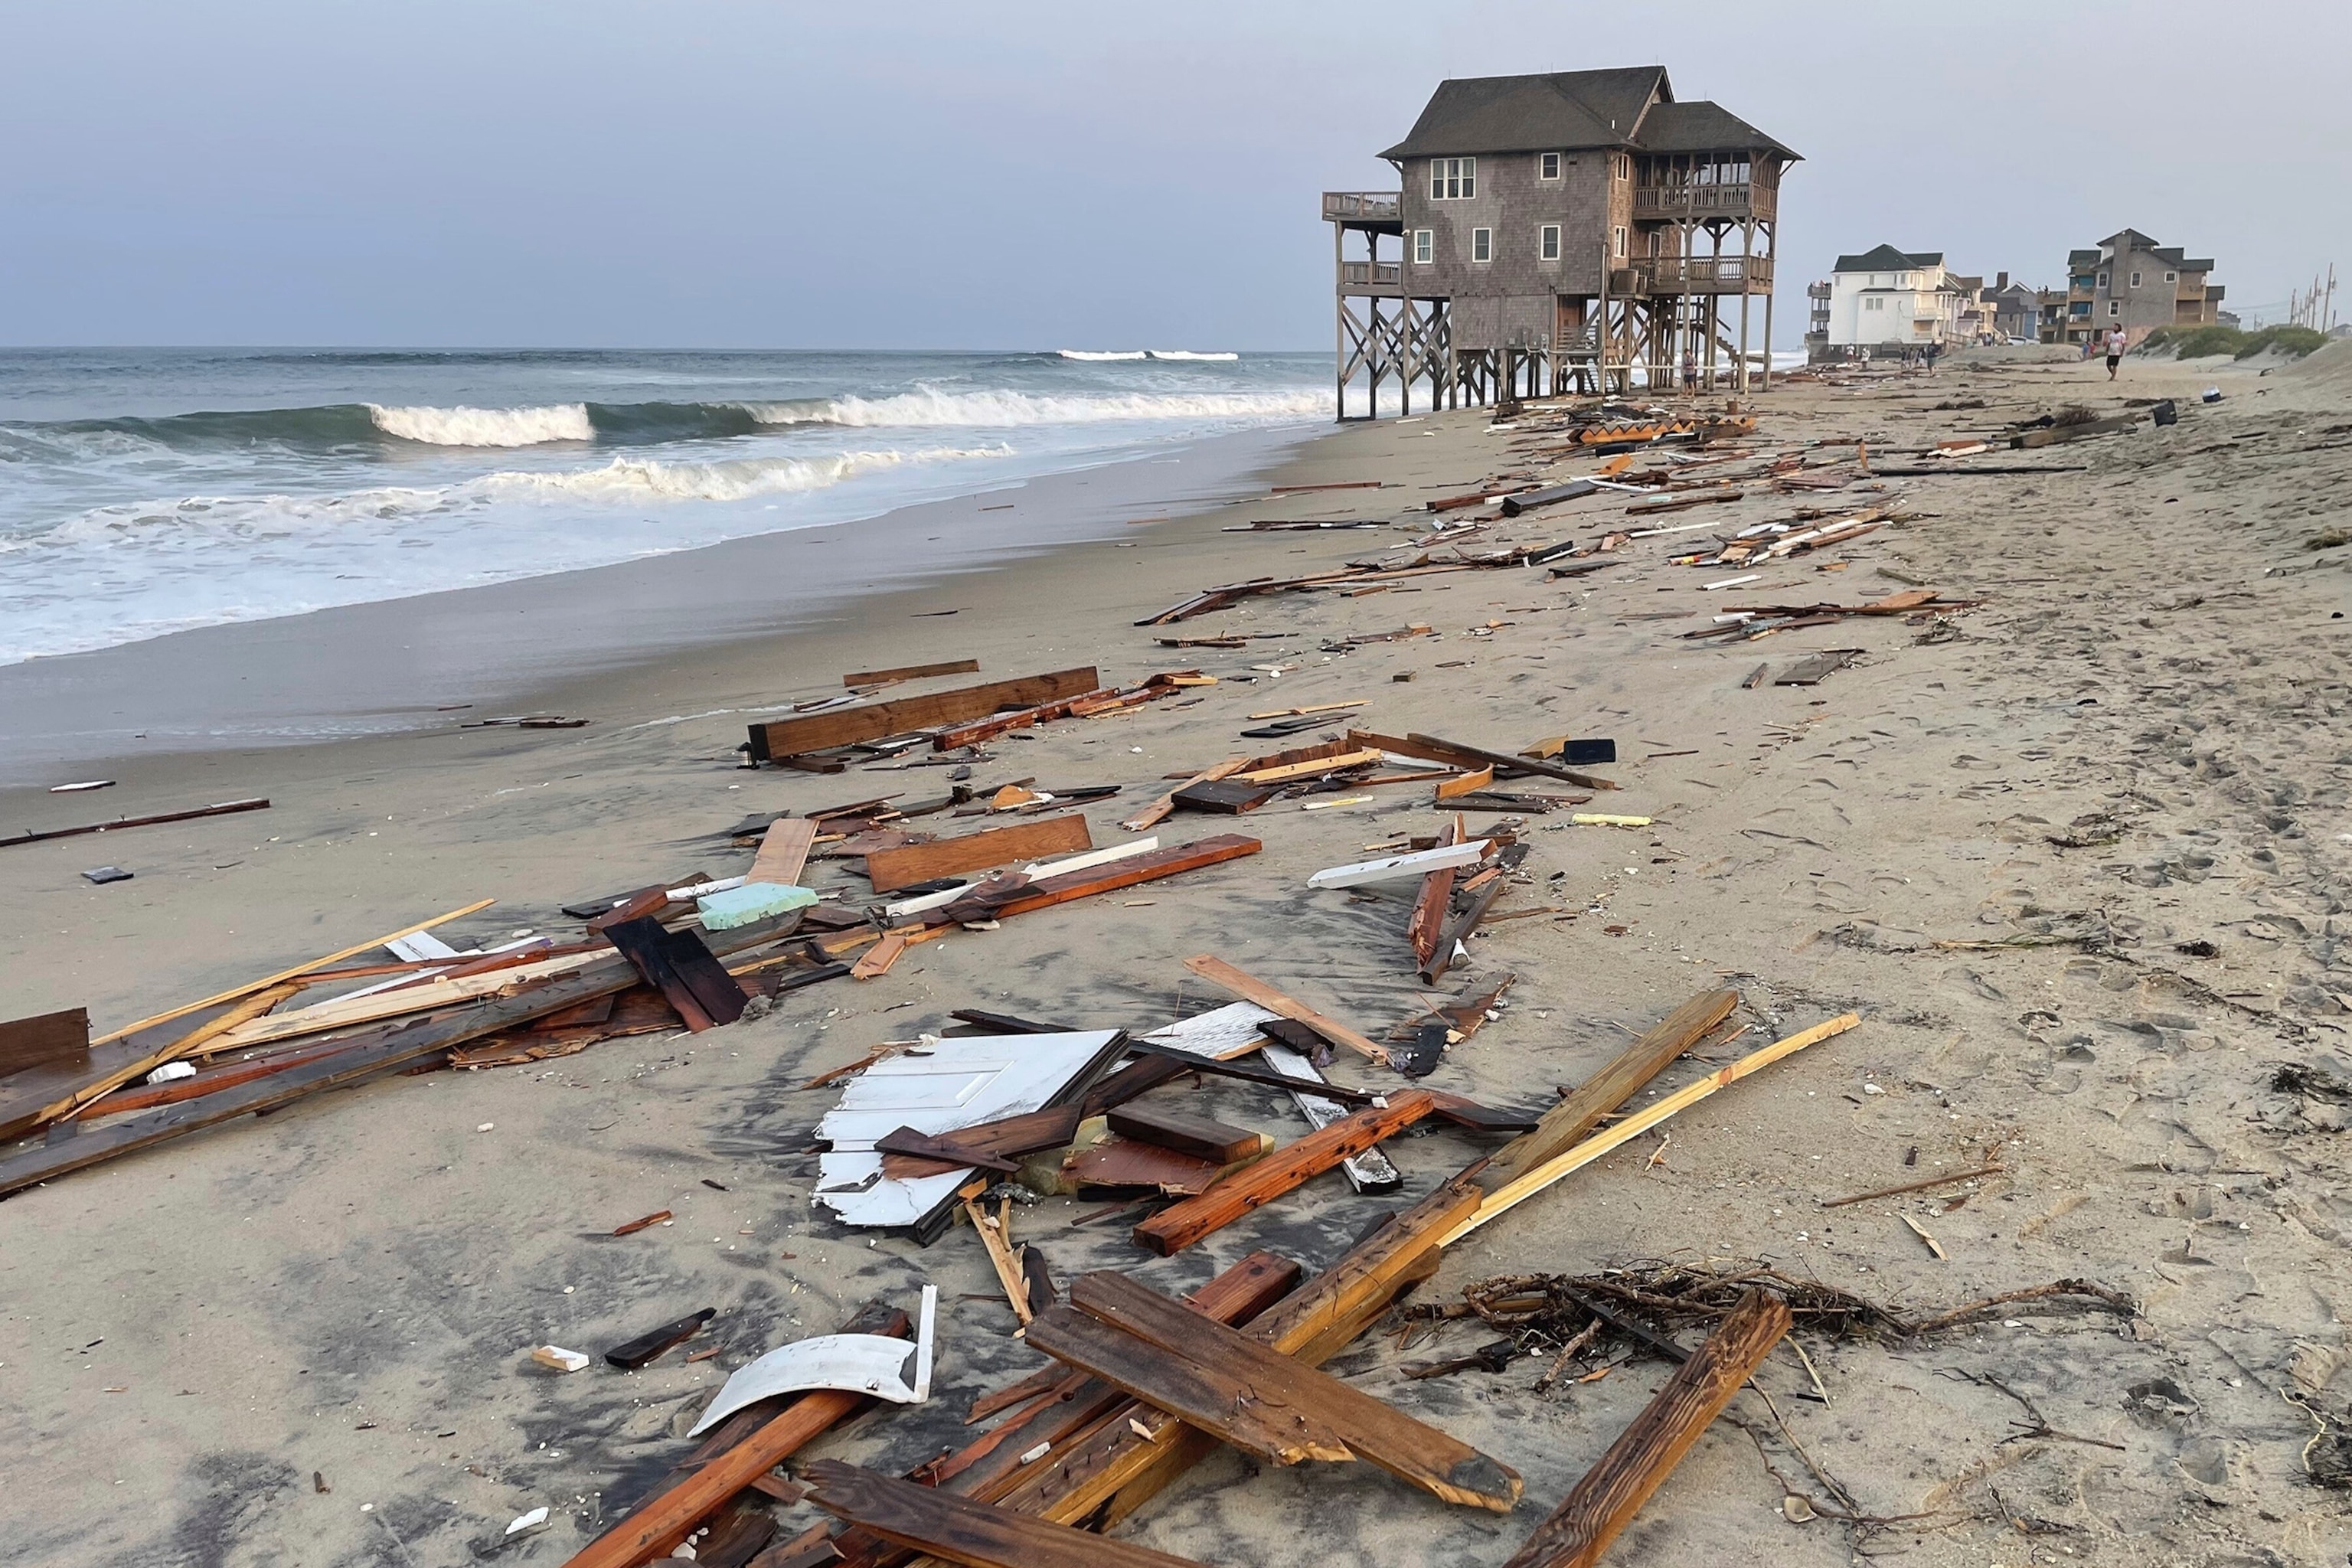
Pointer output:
560, 641
2076, 853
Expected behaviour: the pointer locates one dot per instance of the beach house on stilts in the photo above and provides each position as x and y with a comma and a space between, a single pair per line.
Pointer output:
1558, 233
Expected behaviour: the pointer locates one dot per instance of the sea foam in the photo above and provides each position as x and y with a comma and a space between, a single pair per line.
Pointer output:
930, 405
485, 427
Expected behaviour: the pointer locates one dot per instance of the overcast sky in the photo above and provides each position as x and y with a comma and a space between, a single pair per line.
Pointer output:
761, 174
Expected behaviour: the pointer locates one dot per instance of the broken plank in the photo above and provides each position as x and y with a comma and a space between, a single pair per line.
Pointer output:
45, 1040
1173, 1229
1430, 749
1397, 867
956, 1529
911, 672
987, 903
1436, 891
664, 1520
1218, 972
1202, 1137
1618, 1079
878, 720
222, 809
875, 961
783, 852
680, 966
1466, 784
1612, 1491
1312, 767
981, 730
907, 865
1159, 808
1307, 1401
1369, 1172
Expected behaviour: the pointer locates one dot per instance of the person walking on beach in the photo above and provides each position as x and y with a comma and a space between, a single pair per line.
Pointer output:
2115, 349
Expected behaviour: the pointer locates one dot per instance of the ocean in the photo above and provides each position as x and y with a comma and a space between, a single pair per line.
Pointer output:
149, 491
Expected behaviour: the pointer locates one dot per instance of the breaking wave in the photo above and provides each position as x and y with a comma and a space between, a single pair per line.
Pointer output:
1188, 353
731, 480
935, 406
1100, 356
485, 427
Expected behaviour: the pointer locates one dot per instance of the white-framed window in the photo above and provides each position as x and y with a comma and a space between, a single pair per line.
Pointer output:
1425, 246
2115, 307
1546, 165
1548, 242
2102, 278
2135, 282
1482, 245
1873, 303
1617, 240
2172, 278
1452, 179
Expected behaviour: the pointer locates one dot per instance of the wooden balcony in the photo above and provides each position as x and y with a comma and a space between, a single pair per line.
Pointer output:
1382, 278
1379, 212
1693, 274
1706, 201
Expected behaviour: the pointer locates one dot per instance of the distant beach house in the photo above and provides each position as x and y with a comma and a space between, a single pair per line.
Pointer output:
1558, 232
1891, 301
2015, 309
2128, 281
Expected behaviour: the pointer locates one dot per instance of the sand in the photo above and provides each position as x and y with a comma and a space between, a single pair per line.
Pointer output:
2135, 742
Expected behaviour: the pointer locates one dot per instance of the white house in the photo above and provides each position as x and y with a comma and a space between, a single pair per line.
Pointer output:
1890, 298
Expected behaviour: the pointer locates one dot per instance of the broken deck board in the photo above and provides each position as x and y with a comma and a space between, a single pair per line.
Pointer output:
1618, 1079
879, 721
907, 865
1177, 1228
1218, 972
783, 852
958, 1529
996, 903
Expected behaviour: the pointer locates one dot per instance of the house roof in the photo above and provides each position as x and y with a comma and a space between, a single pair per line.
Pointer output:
1560, 111
2082, 257
1701, 127
1886, 259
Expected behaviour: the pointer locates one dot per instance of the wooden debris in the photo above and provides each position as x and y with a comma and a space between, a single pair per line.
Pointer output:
875, 961
1218, 972
981, 730
1399, 868
1921, 1232
1224, 797
1338, 761
879, 721
1920, 1185
956, 1529
632, 1226
904, 867
993, 1237
1817, 669
1159, 808
222, 809
1429, 909
680, 966
1198, 1136
1534, 1178
985, 902
1612, 1491
1622, 1076
783, 852
647, 1348
911, 672
1173, 1229
1436, 751
1466, 784
1253, 1396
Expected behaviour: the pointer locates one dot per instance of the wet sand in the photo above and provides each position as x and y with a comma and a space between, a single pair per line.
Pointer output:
1999, 837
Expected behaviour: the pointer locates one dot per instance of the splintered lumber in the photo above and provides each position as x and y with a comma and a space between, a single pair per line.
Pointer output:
1313, 767
1817, 669
911, 672
783, 852
1116, 1468
1159, 808
1253, 1396
991, 1229
369, 1006
223, 809
1430, 749
1533, 1179
1612, 1491
905, 866
875, 961
955, 1530
1308, 1406
986, 903
1249, 988
973, 734
1436, 891
677, 964
1174, 1229
268, 980
990, 1144
1466, 784
1202, 1137
1567, 1122
879, 721
662, 1520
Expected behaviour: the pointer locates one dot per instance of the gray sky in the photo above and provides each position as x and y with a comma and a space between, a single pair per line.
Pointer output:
755, 173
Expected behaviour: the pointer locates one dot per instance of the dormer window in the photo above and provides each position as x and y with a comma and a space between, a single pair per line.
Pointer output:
1546, 165
1452, 179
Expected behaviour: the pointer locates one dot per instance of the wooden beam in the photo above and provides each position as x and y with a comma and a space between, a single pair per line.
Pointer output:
1258, 1399
662, 1520
45, 1040
1430, 749
223, 809
911, 672
1198, 1136
1536, 1178
1048, 891
889, 870
1224, 975
1174, 1229
1618, 1079
956, 1529
1314, 768
876, 720
1436, 892
1612, 1491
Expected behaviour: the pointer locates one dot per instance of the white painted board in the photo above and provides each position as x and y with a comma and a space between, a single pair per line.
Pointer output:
1390, 868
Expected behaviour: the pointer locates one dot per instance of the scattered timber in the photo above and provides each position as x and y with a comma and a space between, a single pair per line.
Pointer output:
1177, 1228
911, 672
907, 865
880, 720
223, 809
